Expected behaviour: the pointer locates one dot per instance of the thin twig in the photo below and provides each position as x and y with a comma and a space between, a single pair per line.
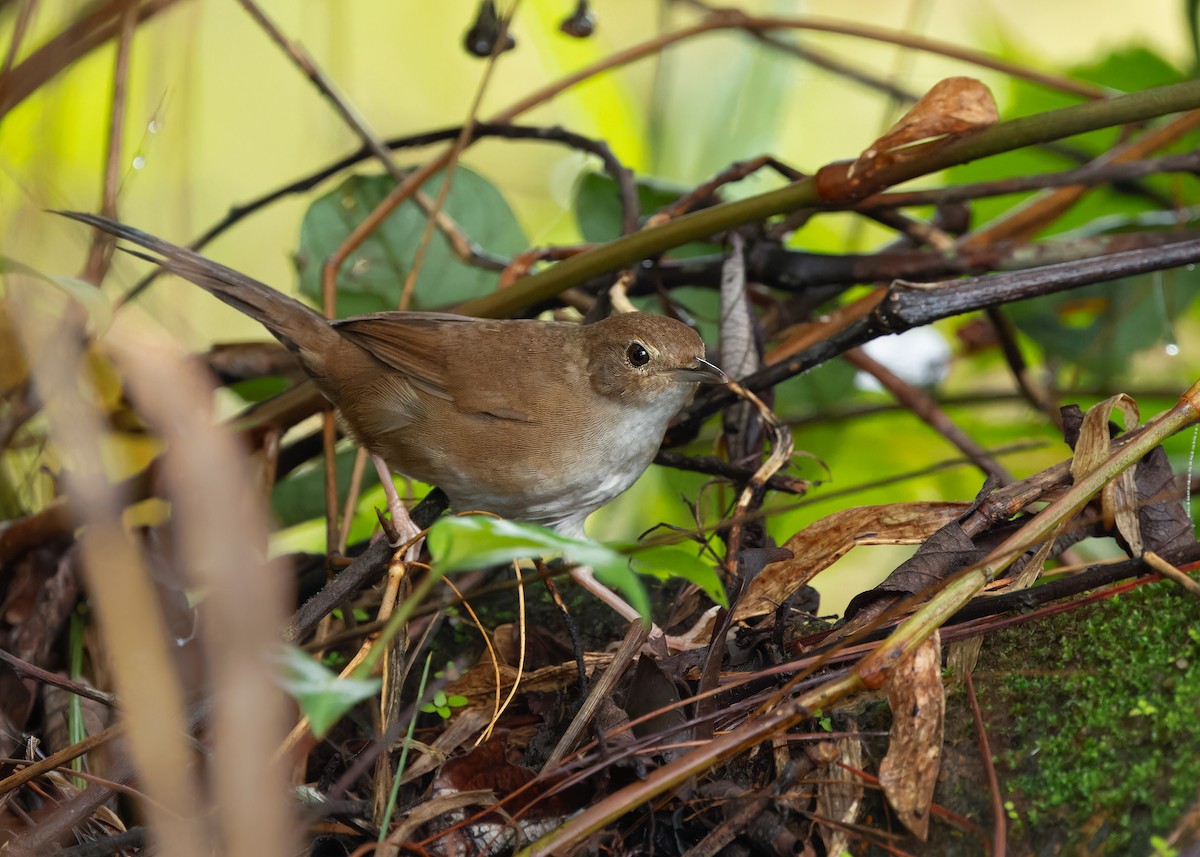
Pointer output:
999, 826
822, 60
619, 173
1093, 173
100, 257
453, 155
1170, 572
1026, 220
836, 181
20, 27
905, 308
922, 406
96, 25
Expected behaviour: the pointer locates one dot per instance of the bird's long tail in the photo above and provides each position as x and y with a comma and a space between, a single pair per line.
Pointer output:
300, 328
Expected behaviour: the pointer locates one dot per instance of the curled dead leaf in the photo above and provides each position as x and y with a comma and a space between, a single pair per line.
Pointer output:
823, 542
908, 773
952, 109
1119, 500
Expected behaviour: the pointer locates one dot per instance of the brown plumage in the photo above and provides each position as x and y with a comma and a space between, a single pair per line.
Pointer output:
535, 421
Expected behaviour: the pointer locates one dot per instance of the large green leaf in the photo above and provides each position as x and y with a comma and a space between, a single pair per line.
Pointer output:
599, 215
372, 279
300, 496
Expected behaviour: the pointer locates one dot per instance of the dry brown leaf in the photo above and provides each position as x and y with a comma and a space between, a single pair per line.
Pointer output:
917, 698
840, 791
954, 107
823, 542
1119, 500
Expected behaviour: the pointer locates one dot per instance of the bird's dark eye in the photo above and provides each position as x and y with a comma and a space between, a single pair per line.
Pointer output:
637, 354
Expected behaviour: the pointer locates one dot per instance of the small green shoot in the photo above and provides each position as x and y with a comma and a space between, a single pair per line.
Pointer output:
1161, 848
441, 704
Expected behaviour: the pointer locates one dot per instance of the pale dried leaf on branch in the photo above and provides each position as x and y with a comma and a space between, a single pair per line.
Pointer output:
953, 108
1119, 499
823, 542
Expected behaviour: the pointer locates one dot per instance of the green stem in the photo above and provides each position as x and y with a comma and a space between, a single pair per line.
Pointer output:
408, 739
1003, 137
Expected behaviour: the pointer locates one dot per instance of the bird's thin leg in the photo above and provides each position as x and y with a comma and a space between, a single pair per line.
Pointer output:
584, 577
587, 579
400, 520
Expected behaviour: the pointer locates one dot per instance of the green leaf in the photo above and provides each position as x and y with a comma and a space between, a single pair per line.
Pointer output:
476, 540
667, 561
1099, 328
598, 209
598, 204
372, 279
321, 695
300, 496
261, 388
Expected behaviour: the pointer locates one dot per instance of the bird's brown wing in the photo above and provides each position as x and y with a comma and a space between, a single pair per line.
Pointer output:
409, 342
414, 344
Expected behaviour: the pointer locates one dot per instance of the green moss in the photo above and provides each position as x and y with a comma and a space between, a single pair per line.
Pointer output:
1099, 710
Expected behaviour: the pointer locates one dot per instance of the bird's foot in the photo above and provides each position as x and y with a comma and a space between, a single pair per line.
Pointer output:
407, 532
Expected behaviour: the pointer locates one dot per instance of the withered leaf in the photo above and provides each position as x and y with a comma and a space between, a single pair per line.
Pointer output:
954, 107
1162, 521
908, 773
823, 542
1119, 498
947, 551
840, 790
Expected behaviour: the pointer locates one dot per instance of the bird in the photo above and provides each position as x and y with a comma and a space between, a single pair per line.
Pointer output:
534, 421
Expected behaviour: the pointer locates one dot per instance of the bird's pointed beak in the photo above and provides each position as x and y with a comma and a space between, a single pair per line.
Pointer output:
700, 370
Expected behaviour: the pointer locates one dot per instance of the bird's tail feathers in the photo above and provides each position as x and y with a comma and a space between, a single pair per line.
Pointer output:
297, 326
